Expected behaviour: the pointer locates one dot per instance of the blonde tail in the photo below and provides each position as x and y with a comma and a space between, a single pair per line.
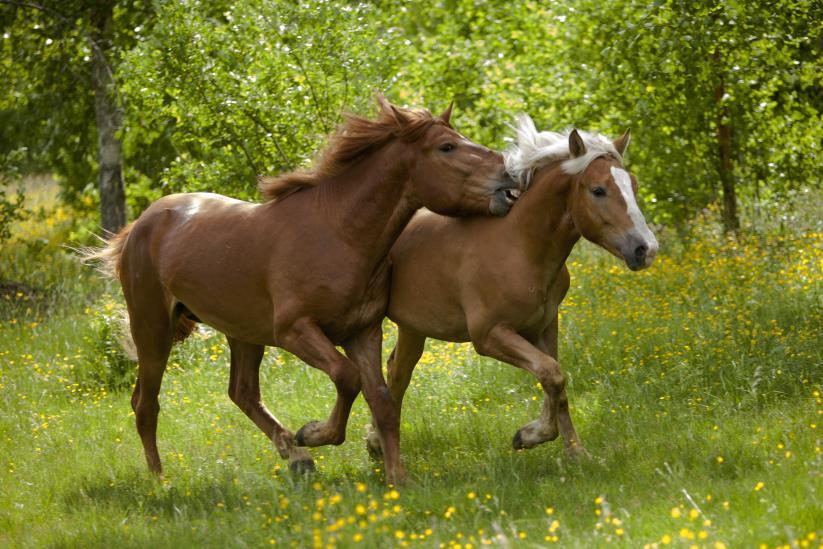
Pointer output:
107, 258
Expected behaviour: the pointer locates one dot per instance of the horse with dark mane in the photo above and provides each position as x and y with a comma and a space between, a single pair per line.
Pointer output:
499, 282
306, 271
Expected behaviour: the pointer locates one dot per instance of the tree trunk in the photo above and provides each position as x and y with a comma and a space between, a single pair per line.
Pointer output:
109, 120
724, 147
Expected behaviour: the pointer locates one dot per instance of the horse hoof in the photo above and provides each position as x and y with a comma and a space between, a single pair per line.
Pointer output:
300, 435
517, 442
577, 453
302, 466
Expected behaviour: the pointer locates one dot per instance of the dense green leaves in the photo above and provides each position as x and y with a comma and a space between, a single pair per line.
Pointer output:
216, 93
250, 89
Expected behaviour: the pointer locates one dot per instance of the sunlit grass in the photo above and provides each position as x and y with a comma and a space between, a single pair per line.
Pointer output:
695, 385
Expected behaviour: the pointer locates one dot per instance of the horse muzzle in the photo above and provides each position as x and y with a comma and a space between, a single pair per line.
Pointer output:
639, 252
504, 197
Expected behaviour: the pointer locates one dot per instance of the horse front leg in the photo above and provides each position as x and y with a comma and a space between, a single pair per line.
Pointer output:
307, 341
571, 442
365, 350
400, 366
506, 345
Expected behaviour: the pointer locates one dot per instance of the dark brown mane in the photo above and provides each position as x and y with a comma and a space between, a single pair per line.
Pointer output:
355, 138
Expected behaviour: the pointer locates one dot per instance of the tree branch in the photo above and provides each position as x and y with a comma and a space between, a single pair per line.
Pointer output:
66, 21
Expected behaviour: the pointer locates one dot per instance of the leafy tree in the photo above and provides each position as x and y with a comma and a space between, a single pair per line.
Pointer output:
726, 94
247, 88
59, 62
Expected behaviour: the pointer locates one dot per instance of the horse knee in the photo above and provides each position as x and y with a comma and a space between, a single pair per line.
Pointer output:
346, 379
552, 377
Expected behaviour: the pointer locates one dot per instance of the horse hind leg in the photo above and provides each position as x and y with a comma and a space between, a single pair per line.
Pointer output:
151, 328
244, 390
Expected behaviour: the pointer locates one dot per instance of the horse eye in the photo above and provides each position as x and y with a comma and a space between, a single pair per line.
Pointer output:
447, 147
599, 191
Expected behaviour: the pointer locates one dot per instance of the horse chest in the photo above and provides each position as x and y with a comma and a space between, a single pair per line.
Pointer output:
365, 306
528, 304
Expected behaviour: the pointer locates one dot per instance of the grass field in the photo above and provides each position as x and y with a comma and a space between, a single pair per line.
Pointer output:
695, 385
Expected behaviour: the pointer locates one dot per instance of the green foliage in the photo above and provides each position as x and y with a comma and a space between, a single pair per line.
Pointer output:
247, 90
216, 93
11, 211
674, 70
109, 364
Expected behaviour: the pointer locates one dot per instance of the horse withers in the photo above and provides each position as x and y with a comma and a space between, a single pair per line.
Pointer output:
499, 282
306, 271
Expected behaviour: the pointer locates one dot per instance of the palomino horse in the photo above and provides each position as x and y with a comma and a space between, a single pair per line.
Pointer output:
498, 282
305, 271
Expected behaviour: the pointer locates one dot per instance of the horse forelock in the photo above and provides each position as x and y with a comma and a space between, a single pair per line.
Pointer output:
356, 138
534, 149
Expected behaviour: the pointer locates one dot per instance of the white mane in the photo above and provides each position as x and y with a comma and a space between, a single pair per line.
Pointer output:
534, 149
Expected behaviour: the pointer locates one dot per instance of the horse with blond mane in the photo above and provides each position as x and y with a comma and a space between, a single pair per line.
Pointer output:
306, 271
499, 282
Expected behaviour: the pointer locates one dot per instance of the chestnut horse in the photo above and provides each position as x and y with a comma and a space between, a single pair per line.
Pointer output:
305, 271
498, 282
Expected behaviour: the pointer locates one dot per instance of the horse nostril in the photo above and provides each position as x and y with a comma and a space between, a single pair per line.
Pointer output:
640, 252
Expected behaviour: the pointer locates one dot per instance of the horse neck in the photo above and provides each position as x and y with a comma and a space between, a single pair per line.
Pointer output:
541, 220
371, 202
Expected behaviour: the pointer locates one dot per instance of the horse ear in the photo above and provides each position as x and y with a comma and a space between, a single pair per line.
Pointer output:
622, 142
576, 146
399, 116
387, 108
447, 114
382, 102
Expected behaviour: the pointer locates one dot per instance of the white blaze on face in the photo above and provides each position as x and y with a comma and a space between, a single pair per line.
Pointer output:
624, 183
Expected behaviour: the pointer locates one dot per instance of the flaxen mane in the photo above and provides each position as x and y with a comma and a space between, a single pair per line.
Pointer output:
534, 149
356, 138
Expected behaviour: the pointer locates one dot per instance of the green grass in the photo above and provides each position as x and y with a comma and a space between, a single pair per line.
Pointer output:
695, 386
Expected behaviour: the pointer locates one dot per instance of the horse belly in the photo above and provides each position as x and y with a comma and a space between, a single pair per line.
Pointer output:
429, 308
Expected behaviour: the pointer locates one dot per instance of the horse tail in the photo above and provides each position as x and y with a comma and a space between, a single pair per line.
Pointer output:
107, 257
108, 261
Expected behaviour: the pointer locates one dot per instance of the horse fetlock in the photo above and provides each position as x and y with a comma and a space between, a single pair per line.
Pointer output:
397, 477
318, 433
283, 443
153, 461
575, 451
